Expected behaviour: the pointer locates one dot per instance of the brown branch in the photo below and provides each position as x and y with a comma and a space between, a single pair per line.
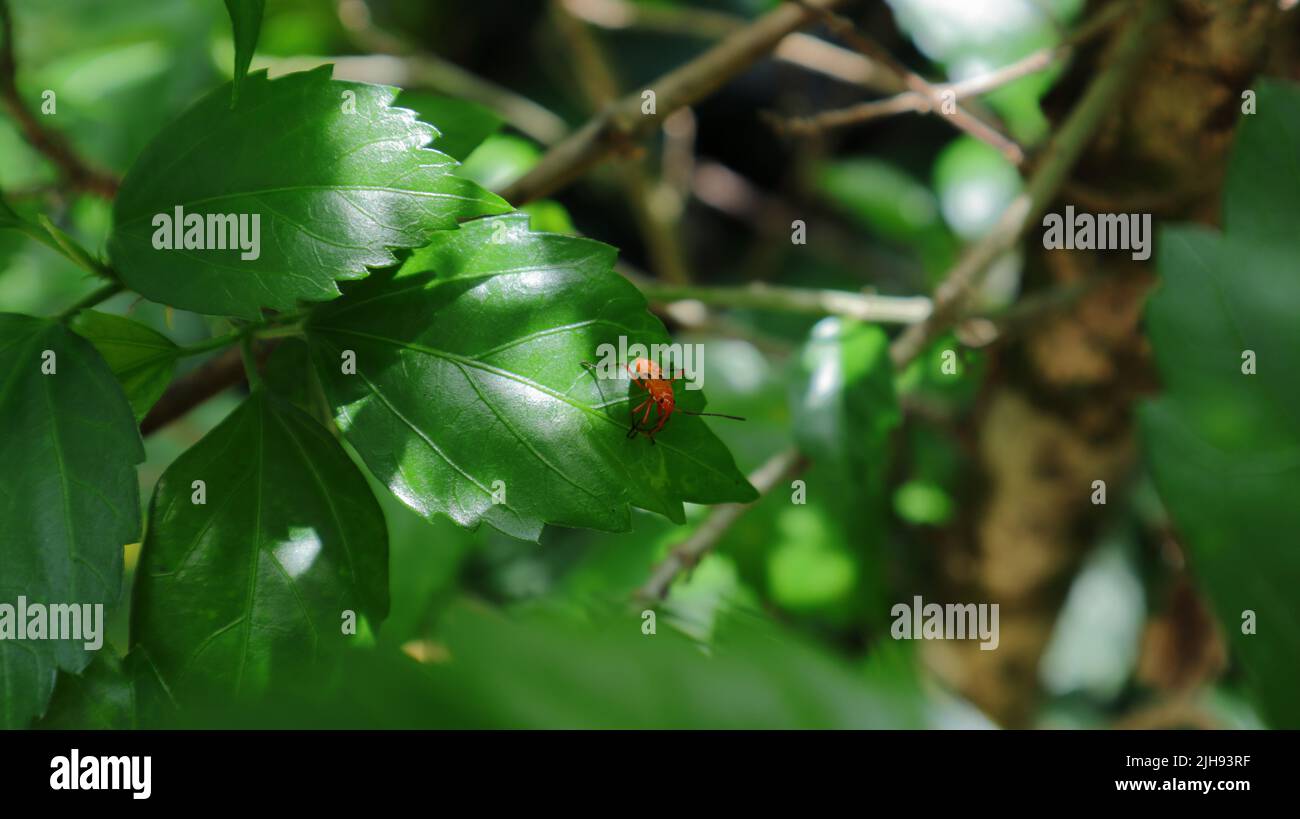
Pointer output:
212, 378
623, 122
76, 172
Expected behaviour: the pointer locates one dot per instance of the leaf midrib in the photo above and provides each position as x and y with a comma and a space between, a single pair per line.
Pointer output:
297, 188
520, 379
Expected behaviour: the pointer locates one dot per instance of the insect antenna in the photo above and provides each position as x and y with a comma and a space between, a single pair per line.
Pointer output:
713, 414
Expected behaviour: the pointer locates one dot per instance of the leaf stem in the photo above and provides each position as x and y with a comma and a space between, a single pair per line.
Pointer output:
48, 234
60, 242
250, 362
210, 344
91, 299
77, 254
258, 330
274, 330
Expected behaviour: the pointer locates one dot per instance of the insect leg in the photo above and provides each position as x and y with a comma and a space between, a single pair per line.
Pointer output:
662, 419
631, 433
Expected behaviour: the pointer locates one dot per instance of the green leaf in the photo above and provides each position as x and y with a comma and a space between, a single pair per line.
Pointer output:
822, 564
846, 406
546, 670
890, 203
494, 389
101, 698
462, 125
246, 21
334, 193
880, 197
260, 575
500, 160
142, 359
69, 500
1260, 191
1223, 445
549, 216
288, 373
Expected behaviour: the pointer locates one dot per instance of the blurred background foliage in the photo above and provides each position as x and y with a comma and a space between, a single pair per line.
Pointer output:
786, 622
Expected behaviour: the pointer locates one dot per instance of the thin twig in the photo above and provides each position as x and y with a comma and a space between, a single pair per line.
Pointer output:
781, 467
803, 50
1059, 159
599, 84
808, 301
623, 122
929, 98
914, 102
419, 68
76, 172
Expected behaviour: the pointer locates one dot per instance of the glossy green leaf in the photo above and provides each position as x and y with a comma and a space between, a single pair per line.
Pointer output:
462, 125
142, 358
473, 374
261, 574
334, 175
1224, 445
246, 22
69, 500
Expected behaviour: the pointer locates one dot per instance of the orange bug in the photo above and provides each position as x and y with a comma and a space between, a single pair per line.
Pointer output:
646, 374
